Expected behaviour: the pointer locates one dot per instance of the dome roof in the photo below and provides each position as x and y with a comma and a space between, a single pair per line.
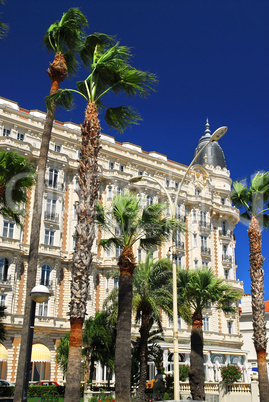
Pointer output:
212, 154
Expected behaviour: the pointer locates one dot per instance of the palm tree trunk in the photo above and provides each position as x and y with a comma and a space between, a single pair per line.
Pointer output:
258, 306
84, 236
196, 373
123, 338
57, 75
143, 356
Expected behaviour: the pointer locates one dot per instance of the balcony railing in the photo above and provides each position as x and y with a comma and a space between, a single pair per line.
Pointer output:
205, 251
181, 218
204, 225
179, 245
47, 283
5, 280
225, 233
51, 216
53, 185
226, 258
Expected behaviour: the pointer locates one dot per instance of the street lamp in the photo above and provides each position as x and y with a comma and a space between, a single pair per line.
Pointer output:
173, 205
39, 294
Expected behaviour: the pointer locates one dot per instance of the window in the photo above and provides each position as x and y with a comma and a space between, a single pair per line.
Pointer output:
6, 132
227, 274
116, 283
50, 208
204, 264
206, 323
195, 240
225, 250
45, 275
139, 255
179, 322
118, 251
178, 211
53, 177
79, 154
203, 216
194, 216
107, 285
121, 168
76, 186
140, 172
109, 193
176, 185
177, 238
8, 229
111, 165
119, 190
75, 214
197, 191
43, 309
20, 136
3, 300
167, 183
49, 237
204, 242
195, 264
4, 264
230, 327
222, 200
149, 200
57, 148
108, 252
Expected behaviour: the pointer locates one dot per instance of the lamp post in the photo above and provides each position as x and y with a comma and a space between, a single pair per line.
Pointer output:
173, 205
39, 294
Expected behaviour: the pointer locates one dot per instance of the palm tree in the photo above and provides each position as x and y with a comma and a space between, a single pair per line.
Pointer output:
151, 282
109, 71
196, 289
17, 174
99, 336
64, 39
148, 227
254, 202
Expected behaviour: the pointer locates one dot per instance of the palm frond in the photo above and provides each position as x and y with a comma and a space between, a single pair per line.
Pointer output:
71, 62
121, 117
107, 244
135, 82
92, 41
62, 98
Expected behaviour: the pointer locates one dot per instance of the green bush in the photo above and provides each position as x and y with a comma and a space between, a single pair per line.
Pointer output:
231, 373
102, 397
183, 372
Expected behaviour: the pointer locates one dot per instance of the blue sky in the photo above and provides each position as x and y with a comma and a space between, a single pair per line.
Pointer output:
211, 59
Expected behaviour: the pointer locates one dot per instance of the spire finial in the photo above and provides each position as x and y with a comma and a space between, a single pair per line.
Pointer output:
207, 130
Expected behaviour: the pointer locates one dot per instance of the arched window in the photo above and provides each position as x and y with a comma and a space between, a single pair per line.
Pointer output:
4, 264
149, 200
45, 275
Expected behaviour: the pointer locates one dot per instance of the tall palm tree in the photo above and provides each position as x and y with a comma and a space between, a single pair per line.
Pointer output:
254, 202
110, 70
64, 38
148, 227
17, 174
151, 282
196, 289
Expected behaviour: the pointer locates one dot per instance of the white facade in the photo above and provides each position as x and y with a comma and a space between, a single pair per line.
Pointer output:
204, 205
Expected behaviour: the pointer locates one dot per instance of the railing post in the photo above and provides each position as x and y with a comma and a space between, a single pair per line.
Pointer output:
254, 391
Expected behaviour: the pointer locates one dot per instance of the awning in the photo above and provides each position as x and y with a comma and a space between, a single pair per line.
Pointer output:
40, 353
3, 353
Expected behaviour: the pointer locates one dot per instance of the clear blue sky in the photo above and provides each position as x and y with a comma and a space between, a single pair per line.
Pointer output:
211, 58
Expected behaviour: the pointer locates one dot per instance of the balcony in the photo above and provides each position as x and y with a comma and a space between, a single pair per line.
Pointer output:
204, 225
179, 245
47, 283
226, 258
181, 218
54, 186
226, 234
205, 251
5, 280
51, 217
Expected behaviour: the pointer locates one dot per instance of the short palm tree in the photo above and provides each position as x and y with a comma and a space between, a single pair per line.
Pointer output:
17, 174
196, 289
110, 71
64, 39
254, 202
151, 282
134, 224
